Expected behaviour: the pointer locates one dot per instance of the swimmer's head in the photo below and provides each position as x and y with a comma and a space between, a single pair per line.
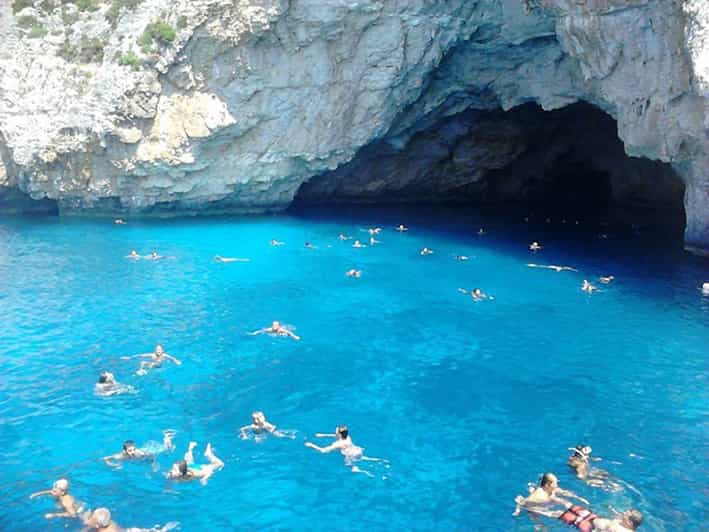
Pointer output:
60, 487
632, 518
276, 325
101, 517
159, 350
549, 481
106, 378
584, 451
342, 432
133, 253
258, 417
129, 447
477, 292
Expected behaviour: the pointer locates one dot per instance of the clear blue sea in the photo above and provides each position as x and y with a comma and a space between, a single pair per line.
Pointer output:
467, 401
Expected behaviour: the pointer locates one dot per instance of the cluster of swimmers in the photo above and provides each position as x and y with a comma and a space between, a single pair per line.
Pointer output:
548, 500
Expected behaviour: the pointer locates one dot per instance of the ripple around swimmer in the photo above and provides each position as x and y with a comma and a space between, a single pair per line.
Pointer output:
467, 400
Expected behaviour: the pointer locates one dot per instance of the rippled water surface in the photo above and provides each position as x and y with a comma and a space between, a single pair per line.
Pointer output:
467, 401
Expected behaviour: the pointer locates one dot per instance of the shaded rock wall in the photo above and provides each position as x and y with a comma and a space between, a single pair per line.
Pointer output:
251, 98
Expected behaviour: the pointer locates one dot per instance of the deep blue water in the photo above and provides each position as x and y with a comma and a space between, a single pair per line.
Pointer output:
468, 401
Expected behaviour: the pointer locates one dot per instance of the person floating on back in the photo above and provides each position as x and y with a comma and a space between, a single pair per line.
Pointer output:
276, 329
186, 470
60, 491
157, 358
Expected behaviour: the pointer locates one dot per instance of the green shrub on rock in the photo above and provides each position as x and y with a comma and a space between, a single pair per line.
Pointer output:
37, 31
19, 5
115, 10
130, 59
87, 5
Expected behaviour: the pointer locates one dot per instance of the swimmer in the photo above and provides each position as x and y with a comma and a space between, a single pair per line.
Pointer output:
133, 255
354, 273
106, 384
373, 241
588, 287
259, 425
481, 232
579, 461
157, 357
358, 244
308, 245
705, 289
342, 236
219, 258
476, 294
603, 236
534, 246
276, 329
131, 453
119, 221
402, 228
606, 280
100, 520
186, 470
545, 496
60, 491
553, 267
374, 230
426, 251
461, 257
275, 242
343, 443
154, 256
587, 521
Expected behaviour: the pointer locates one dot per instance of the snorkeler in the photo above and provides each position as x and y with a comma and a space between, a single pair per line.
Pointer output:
426, 251
534, 246
156, 359
354, 273
100, 520
358, 244
132, 453
553, 267
606, 280
219, 258
275, 242
186, 470
133, 255
259, 425
60, 491
588, 287
402, 228
545, 496
276, 329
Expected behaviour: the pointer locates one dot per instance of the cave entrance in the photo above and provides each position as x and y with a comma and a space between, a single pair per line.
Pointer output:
554, 163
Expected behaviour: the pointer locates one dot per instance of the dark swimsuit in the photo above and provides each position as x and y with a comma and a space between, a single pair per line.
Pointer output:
579, 517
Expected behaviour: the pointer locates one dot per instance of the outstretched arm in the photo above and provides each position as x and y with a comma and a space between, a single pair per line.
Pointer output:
54, 515
243, 431
111, 460
292, 334
40, 493
324, 435
570, 494
327, 449
260, 331
173, 359
144, 355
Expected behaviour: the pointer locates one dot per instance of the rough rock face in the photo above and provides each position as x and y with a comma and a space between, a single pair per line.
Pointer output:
150, 106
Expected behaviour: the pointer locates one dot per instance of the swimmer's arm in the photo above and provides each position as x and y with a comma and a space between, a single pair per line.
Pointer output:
462, 290
204, 476
323, 435
572, 495
173, 359
53, 515
112, 459
260, 331
292, 335
327, 449
40, 493
244, 430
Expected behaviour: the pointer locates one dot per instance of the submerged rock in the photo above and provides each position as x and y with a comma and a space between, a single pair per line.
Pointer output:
150, 106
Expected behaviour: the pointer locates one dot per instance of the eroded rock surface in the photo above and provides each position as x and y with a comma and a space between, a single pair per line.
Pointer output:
242, 101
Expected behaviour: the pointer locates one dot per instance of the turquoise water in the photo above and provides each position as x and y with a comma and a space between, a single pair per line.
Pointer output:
468, 401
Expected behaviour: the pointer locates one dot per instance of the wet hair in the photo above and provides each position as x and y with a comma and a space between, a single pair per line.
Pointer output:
343, 431
102, 517
634, 516
182, 466
128, 443
103, 378
62, 485
582, 450
547, 478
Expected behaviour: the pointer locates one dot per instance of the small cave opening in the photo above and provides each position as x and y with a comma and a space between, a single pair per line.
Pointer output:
559, 164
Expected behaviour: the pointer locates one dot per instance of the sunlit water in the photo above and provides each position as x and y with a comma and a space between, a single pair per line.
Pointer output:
468, 401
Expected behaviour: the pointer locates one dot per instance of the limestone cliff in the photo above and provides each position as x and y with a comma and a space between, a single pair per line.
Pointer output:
152, 106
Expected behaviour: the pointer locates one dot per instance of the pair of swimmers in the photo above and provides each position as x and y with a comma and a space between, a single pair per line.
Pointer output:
153, 256
98, 519
544, 499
